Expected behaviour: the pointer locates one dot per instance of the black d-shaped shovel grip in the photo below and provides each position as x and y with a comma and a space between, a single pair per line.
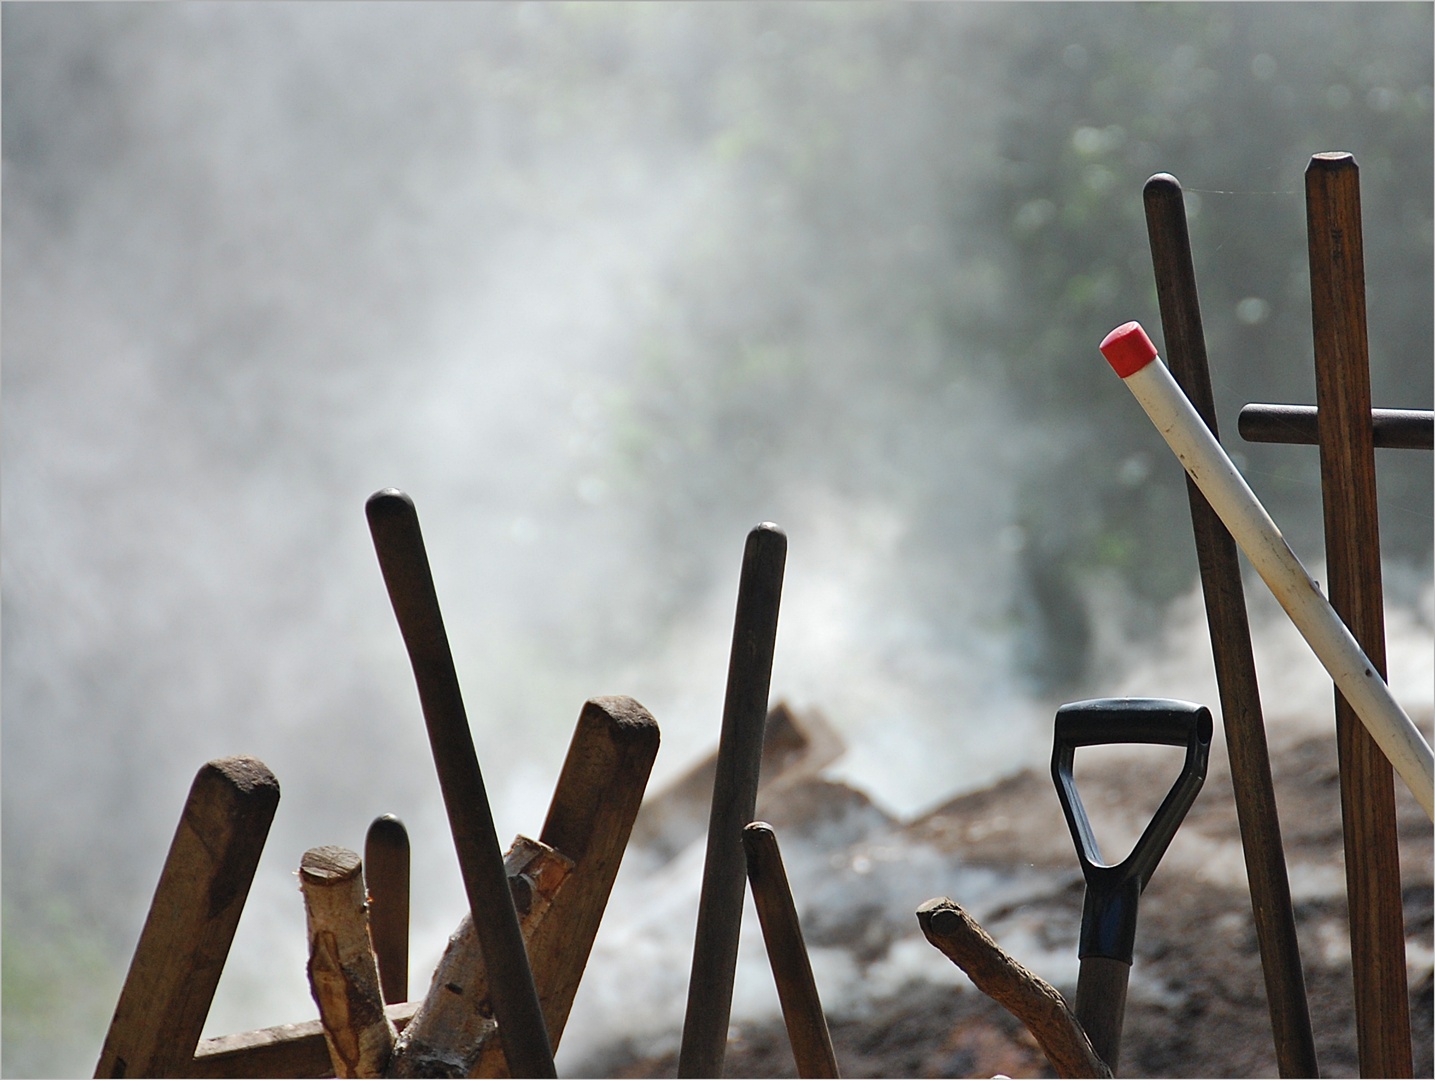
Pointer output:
1108, 920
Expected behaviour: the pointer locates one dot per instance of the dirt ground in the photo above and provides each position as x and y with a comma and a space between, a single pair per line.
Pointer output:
1197, 1006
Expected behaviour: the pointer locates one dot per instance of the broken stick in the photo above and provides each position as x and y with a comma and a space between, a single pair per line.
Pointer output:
1031, 999
343, 974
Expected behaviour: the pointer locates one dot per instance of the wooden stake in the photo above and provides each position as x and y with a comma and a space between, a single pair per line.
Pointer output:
704, 1043
1031, 999
398, 541
787, 954
386, 876
589, 820
343, 975
1352, 540
192, 919
1231, 649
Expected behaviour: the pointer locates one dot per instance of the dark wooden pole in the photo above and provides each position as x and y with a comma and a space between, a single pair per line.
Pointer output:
704, 1043
386, 876
192, 918
1402, 429
394, 524
787, 954
1352, 542
1231, 649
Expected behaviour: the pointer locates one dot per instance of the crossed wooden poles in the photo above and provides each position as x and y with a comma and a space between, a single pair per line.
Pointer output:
501, 994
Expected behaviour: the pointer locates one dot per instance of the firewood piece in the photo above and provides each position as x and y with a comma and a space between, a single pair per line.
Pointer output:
191, 922
343, 974
1031, 999
386, 877
590, 819
455, 1022
285, 1050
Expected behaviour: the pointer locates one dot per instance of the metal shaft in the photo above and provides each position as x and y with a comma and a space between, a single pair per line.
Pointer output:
1402, 429
1101, 1004
754, 637
394, 523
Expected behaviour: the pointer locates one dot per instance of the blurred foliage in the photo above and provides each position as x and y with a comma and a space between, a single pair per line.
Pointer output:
1233, 100
931, 199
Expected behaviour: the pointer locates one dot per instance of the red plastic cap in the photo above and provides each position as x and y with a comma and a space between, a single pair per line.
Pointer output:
1127, 349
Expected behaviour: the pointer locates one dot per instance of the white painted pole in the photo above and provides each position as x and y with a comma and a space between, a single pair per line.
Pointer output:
1133, 357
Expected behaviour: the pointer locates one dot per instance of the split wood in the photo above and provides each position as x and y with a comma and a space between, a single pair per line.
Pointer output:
1352, 542
1031, 999
589, 822
343, 975
191, 922
1231, 648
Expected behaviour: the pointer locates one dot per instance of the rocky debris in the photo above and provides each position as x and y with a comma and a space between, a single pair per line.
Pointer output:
1197, 1000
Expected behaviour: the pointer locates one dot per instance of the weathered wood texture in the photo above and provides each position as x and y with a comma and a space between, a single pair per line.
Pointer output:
589, 820
1231, 649
1352, 541
456, 1019
709, 1004
787, 954
285, 1050
398, 542
343, 975
1028, 997
191, 922
386, 877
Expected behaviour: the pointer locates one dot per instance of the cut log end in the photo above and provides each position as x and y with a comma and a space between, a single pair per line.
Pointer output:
329, 865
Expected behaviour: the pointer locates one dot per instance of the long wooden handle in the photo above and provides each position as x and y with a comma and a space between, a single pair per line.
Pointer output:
394, 524
787, 954
704, 1043
1352, 546
1231, 649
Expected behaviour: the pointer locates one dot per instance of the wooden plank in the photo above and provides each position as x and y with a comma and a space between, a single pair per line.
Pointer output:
1352, 540
386, 877
398, 542
343, 974
1231, 649
285, 1050
589, 820
787, 954
1028, 997
709, 1006
191, 922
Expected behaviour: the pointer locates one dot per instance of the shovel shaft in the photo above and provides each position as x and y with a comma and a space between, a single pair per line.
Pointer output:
1101, 1004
